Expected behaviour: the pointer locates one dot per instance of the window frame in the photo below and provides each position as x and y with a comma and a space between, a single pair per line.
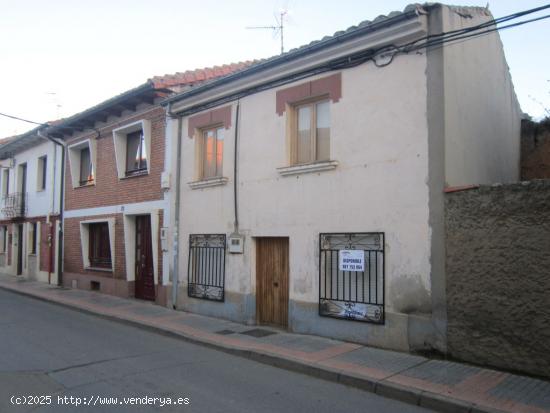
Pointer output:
98, 233
294, 138
74, 155
4, 239
88, 181
120, 143
42, 173
202, 151
142, 151
6, 182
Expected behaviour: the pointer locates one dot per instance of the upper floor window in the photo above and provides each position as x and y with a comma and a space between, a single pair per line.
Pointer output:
86, 167
42, 173
311, 132
212, 152
6, 182
82, 158
136, 154
132, 144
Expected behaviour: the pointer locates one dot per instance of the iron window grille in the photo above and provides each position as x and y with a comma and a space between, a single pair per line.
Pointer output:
206, 266
99, 245
351, 276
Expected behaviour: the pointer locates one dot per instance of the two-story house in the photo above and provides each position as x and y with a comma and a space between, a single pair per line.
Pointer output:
115, 211
311, 184
30, 177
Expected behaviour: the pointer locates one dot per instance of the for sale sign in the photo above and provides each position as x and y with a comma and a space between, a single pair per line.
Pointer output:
351, 260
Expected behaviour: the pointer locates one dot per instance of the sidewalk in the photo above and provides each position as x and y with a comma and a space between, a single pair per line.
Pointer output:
440, 385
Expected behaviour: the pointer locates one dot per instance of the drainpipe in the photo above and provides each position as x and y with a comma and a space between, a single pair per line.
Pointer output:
175, 274
61, 195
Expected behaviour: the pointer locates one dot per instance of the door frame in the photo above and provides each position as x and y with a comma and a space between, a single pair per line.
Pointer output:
137, 259
257, 281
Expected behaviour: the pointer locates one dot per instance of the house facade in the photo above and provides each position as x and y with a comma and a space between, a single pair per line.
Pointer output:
311, 185
30, 206
115, 211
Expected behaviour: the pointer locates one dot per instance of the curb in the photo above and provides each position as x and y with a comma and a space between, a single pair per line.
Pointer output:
409, 395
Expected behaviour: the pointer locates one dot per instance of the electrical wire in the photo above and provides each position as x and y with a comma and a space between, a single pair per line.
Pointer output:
23, 120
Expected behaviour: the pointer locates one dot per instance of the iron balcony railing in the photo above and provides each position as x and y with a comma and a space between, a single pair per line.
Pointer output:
14, 205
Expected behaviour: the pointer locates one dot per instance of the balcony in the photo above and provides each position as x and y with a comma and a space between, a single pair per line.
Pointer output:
14, 205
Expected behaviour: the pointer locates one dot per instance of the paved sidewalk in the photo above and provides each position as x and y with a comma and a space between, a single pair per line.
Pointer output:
441, 385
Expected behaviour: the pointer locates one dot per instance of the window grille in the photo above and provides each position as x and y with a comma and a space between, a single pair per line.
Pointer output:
206, 266
351, 276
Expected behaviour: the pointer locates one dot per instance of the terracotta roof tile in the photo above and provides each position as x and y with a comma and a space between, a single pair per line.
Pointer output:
190, 77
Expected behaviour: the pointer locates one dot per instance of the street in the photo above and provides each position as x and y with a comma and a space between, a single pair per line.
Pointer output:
48, 350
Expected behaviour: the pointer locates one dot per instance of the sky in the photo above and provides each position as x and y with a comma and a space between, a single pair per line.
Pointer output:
60, 57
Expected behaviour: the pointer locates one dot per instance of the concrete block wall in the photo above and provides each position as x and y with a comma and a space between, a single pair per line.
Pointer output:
498, 276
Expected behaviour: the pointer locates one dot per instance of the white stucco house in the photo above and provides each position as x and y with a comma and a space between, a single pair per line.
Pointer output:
307, 190
30, 183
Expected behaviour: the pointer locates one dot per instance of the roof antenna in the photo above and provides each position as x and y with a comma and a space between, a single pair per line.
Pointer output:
276, 29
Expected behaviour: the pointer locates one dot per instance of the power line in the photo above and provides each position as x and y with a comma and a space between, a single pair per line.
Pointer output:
23, 120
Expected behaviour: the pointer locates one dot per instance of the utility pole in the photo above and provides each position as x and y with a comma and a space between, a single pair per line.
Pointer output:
277, 29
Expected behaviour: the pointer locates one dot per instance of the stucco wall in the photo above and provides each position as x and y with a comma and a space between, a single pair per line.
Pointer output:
39, 202
482, 114
498, 277
379, 137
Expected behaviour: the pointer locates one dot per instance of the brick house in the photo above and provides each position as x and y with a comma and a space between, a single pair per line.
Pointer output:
30, 172
115, 211
315, 179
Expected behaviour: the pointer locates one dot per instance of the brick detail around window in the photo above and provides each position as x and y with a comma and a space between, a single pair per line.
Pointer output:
73, 251
330, 86
215, 116
108, 188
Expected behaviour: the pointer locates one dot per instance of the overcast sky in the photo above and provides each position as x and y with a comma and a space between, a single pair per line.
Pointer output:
59, 57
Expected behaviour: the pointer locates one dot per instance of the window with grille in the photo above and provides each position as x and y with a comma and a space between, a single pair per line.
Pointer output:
351, 276
99, 245
206, 266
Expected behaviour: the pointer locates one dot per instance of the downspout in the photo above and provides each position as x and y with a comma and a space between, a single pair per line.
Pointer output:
61, 195
175, 247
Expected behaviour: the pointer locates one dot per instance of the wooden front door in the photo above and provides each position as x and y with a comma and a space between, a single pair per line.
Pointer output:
272, 281
145, 275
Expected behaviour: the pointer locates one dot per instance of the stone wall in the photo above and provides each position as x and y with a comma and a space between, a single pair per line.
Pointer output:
498, 276
535, 149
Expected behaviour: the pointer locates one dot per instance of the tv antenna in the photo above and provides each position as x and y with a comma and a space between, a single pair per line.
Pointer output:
279, 29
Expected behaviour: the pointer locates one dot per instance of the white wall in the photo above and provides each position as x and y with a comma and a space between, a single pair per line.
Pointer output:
40, 202
482, 114
379, 138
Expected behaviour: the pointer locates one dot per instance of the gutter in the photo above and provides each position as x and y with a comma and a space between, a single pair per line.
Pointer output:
61, 196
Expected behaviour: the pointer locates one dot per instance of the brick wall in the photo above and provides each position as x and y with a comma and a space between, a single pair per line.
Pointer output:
498, 277
108, 188
73, 248
535, 150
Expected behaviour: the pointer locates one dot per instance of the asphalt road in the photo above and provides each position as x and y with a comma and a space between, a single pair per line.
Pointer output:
48, 350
